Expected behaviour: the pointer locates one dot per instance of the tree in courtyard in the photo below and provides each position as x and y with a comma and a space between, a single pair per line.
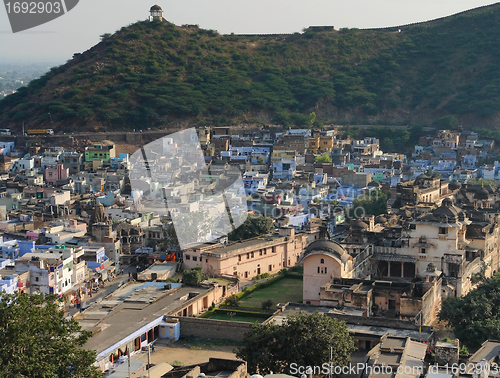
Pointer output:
302, 338
232, 301
372, 203
476, 316
325, 158
39, 341
252, 227
170, 242
267, 304
193, 276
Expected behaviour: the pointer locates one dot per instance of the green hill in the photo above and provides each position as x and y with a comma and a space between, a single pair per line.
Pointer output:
156, 74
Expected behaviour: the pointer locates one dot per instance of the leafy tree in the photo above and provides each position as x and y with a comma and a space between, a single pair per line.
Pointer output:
352, 132
232, 301
312, 118
267, 304
483, 181
39, 341
307, 337
299, 119
447, 122
194, 276
251, 228
432, 173
170, 242
325, 158
476, 316
373, 203
318, 124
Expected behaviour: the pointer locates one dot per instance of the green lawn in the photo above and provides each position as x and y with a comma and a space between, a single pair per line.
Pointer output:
220, 314
285, 290
222, 281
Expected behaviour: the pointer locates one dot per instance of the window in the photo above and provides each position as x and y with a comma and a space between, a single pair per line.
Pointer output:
443, 230
453, 270
188, 257
239, 257
273, 250
318, 269
270, 267
422, 250
206, 260
248, 256
322, 261
195, 258
36, 279
251, 254
260, 252
325, 270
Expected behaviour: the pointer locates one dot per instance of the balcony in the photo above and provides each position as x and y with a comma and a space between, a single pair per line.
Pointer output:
443, 236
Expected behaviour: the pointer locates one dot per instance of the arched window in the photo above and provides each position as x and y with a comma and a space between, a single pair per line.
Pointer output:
322, 261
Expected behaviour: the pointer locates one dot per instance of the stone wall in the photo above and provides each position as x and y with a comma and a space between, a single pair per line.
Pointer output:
431, 303
447, 353
213, 329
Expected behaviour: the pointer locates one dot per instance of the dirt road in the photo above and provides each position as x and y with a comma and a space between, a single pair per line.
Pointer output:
185, 355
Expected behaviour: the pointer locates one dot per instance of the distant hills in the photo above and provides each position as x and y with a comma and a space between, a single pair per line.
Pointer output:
156, 74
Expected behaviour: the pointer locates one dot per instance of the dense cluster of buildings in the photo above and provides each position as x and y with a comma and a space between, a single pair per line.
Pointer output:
67, 215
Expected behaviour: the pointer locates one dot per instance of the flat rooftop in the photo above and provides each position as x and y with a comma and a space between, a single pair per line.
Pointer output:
388, 358
394, 343
242, 247
160, 267
128, 309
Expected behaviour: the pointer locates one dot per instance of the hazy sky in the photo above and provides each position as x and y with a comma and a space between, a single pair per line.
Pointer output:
80, 29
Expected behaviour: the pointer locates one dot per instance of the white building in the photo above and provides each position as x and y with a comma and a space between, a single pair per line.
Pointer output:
6, 147
253, 181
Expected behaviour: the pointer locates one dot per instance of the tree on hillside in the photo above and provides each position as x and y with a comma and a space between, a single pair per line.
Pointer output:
312, 118
372, 203
446, 122
39, 341
476, 316
251, 228
303, 339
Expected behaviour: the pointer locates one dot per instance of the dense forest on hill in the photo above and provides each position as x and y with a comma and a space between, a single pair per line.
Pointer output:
156, 74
